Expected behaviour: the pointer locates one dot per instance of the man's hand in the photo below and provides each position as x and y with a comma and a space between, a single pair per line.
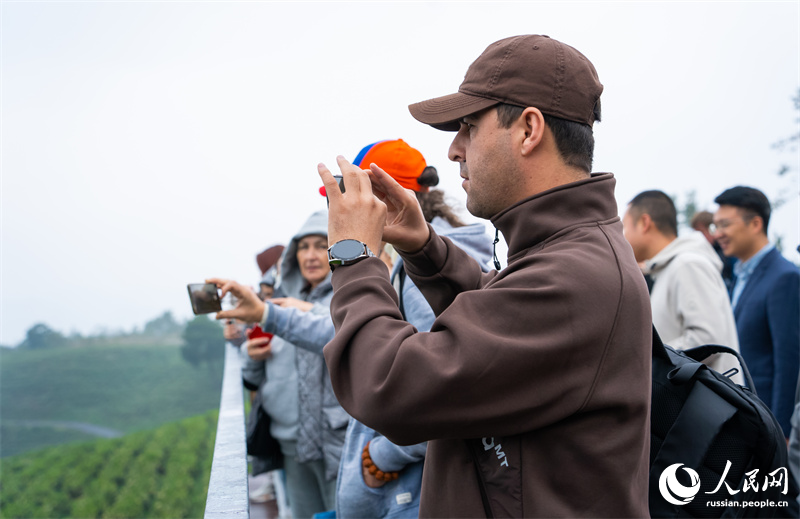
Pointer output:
373, 209
249, 309
291, 302
370, 480
356, 214
232, 330
405, 227
259, 348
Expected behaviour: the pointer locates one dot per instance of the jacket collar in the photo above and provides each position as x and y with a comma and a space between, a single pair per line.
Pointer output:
748, 267
754, 279
533, 220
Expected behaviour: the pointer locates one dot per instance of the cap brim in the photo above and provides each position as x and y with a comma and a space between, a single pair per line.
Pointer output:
443, 113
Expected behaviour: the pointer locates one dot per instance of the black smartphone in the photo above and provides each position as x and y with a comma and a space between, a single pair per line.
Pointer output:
340, 181
205, 298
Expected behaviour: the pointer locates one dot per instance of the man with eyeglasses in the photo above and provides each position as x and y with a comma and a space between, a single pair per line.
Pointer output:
765, 298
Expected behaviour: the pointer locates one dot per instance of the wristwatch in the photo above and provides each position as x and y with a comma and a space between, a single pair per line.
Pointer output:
347, 252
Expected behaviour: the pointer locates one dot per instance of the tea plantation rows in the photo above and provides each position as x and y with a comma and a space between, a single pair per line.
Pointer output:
161, 473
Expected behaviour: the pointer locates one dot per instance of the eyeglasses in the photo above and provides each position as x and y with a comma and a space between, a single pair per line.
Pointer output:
721, 225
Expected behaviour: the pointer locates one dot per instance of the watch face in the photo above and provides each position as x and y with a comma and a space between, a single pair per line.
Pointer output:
347, 250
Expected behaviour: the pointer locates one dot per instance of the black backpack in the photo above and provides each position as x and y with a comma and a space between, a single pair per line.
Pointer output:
704, 426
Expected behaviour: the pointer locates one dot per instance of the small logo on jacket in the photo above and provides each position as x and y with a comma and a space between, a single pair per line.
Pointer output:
488, 444
673, 491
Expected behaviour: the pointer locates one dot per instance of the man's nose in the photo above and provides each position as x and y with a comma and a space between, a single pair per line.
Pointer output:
457, 152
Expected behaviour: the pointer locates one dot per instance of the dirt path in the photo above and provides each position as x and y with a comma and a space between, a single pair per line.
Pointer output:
94, 430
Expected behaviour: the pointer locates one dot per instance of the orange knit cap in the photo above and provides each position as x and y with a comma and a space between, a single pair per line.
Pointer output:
398, 159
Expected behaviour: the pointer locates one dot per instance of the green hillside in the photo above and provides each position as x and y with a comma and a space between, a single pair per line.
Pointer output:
162, 473
125, 388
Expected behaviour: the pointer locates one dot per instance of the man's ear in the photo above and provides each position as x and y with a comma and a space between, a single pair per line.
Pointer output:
532, 125
646, 222
756, 223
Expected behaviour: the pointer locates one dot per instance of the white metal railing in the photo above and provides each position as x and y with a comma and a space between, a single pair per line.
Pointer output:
227, 488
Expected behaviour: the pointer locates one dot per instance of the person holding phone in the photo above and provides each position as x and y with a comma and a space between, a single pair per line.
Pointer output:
294, 379
532, 387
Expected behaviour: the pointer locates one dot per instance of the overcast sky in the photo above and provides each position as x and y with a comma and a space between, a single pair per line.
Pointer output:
146, 145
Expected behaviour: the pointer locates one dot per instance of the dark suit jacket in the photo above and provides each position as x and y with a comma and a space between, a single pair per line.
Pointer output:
768, 322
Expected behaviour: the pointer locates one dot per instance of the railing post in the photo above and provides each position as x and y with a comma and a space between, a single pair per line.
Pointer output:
227, 487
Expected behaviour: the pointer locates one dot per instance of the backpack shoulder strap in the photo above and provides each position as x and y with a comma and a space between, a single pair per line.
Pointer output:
700, 353
686, 441
658, 347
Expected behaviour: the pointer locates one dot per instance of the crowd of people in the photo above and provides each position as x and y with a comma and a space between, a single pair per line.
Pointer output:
322, 447
405, 373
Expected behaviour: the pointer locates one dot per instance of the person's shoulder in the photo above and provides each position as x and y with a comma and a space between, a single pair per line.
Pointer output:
778, 271
564, 264
778, 262
693, 261
787, 277
467, 231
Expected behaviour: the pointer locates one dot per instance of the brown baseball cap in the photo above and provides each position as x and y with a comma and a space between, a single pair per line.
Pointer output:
529, 70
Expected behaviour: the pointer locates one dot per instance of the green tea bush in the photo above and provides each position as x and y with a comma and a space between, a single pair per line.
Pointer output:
162, 473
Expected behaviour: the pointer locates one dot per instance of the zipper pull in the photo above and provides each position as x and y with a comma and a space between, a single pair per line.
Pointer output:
494, 249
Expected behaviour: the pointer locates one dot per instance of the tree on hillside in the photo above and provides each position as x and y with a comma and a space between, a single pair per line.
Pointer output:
41, 336
789, 144
203, 342
686, 208
165, 324
787, 171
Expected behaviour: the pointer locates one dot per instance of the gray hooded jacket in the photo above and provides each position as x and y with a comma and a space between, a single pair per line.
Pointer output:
321, 422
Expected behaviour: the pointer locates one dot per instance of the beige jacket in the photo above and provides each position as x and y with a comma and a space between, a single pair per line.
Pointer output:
690, 302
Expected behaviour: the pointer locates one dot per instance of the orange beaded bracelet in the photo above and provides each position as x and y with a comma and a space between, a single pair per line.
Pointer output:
368, 464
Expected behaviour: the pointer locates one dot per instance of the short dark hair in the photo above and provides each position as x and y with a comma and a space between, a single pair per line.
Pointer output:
574, 141
751, 200
661, 209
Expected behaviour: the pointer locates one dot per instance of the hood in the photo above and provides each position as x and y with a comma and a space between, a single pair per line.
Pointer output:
694, 242
270, 277
292, 282
472, 239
